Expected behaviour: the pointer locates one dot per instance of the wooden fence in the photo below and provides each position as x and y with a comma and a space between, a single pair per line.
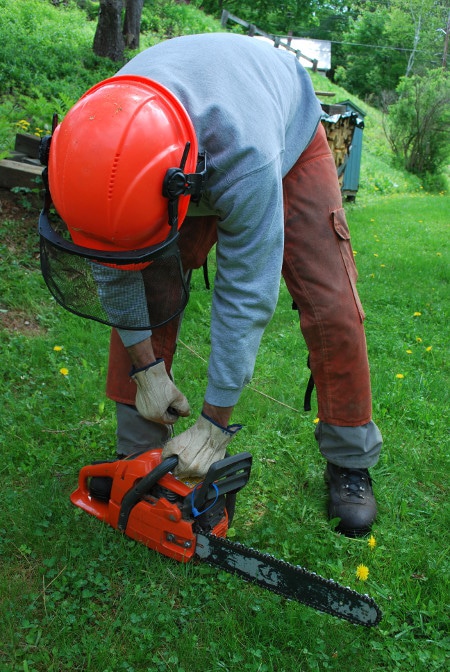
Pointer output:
252, 30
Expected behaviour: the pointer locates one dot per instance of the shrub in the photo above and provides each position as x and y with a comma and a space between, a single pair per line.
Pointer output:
418, 122
46, 58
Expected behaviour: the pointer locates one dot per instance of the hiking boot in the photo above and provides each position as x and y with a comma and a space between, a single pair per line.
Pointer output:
351, 499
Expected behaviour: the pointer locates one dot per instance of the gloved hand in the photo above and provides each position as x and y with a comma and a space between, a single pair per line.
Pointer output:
199, 446
157, 396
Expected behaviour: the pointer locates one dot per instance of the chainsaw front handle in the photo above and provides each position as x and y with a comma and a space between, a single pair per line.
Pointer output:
142, 488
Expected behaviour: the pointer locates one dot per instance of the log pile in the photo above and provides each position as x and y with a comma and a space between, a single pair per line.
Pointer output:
340, 129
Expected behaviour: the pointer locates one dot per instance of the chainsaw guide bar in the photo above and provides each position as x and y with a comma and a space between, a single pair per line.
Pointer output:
140, 497
290, 581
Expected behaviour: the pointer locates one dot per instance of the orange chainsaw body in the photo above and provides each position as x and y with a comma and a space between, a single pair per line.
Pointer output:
135, 496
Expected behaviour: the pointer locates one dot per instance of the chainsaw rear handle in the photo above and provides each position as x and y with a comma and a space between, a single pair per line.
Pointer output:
228, 476
142, 488
225, 477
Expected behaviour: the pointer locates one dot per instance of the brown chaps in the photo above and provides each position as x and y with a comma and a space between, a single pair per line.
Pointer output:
320, 274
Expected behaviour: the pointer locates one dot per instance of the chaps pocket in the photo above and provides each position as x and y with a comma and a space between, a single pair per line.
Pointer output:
341, 229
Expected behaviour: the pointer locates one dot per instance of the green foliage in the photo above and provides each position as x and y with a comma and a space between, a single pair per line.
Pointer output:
47, 61
9, 114
268, 15
41, 45
168, 18
387, 40
418, 123
369, 70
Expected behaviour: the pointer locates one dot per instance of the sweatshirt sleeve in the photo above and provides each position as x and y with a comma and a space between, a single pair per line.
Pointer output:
246, 288
122, 295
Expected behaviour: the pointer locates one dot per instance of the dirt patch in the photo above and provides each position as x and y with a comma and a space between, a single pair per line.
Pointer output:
23, 207
18, 233
19, 215
18, 321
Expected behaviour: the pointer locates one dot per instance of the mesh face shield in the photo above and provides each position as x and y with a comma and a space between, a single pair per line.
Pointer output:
133, 290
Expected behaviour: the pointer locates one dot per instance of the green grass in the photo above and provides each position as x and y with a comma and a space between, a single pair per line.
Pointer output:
75, 595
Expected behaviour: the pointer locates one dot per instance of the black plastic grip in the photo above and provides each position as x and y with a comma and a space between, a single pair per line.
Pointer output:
228, 475
142, 488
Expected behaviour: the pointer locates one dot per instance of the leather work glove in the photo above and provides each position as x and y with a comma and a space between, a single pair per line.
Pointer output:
157, 398
199, 447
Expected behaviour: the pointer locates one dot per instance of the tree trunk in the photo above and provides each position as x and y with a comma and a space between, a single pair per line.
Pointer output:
417, 30
132, 23
108, 39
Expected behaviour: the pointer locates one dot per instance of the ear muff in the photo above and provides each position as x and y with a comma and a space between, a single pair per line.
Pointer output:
175, 183
44, 149
46, 141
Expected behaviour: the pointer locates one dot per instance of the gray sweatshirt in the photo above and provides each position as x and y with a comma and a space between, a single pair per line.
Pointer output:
254, 111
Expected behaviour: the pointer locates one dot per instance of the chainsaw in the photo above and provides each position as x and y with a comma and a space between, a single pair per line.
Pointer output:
140, 496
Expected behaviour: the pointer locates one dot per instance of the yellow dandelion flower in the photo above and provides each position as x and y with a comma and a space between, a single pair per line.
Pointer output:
316, 420
362, 572
64, 371
382, 265
429, 348
409, 352
57, 348
399, 375
371, 542
417, 314
418, 339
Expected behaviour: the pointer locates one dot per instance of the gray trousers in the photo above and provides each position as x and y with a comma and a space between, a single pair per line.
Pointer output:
355, 447
352, 447
135, 433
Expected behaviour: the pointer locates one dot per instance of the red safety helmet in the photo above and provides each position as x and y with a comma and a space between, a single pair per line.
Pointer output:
120, 170
109, 159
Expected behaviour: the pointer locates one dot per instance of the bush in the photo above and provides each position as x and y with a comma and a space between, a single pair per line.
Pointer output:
41, 44
168, 18
46, 58
418, 123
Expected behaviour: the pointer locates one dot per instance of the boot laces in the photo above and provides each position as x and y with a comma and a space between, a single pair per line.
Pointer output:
355, 482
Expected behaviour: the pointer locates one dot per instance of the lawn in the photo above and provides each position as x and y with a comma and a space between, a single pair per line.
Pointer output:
76, 595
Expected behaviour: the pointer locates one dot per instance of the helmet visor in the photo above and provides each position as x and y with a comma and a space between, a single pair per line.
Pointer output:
135, 289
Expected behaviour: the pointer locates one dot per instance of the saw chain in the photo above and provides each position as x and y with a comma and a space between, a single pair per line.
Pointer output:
291, 581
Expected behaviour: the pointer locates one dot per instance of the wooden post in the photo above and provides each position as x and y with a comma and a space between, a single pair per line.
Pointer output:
224, 18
